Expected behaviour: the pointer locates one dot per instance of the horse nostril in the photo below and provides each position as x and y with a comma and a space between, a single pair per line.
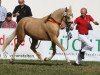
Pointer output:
71, 22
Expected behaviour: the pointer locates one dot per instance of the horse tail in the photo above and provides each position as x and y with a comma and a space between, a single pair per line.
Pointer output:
8, 40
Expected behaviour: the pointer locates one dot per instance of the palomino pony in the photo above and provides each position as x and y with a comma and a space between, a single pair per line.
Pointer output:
46, 28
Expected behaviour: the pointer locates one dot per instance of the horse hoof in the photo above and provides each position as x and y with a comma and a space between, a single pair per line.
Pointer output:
42, 62
69, 63
45, 59
11, 61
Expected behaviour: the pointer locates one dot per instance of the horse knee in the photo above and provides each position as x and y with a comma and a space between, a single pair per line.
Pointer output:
32, 47
17, 45
15, 48
34, 43
54, 52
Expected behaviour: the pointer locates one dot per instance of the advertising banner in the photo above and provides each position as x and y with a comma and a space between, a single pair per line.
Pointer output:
72, 46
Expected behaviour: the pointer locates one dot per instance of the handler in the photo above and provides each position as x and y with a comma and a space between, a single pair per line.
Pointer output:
83, 22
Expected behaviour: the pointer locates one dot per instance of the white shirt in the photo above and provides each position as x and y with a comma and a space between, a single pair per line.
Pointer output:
3, 13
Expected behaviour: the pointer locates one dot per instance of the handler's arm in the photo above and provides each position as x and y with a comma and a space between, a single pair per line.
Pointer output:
95, 22
72, 26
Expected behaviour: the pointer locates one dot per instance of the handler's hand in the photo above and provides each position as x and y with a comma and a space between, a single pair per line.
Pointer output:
17, 14
96, 23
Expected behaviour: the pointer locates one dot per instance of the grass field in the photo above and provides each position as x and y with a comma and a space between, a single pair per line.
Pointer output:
32, 67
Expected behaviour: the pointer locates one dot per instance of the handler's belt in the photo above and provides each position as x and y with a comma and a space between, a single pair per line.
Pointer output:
85, 34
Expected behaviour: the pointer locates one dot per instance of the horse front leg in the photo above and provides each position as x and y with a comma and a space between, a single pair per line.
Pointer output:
54, 52
38, 54
55, 40
15, 49
33, 48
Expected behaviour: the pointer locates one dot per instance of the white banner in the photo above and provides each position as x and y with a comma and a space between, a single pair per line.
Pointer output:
24, 51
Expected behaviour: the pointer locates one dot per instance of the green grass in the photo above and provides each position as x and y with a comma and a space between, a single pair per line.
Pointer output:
33, 67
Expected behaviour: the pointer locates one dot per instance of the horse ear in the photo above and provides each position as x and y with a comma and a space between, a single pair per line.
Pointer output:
70, 8
66, 9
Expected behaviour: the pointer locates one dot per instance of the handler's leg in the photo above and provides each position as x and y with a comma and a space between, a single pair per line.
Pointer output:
85, 45
78, 60
80, 57
88, 45
80, 54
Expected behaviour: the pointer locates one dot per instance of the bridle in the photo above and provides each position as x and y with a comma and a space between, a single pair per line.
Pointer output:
68, 27
50, 19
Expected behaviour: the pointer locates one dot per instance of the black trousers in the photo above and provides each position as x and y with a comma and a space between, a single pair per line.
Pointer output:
1, 23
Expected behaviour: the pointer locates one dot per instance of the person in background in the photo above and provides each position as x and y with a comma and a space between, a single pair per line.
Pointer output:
9, 23
83, 22
21, 11
3, 13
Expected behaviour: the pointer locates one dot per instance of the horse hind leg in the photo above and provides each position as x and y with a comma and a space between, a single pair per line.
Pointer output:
54, 52
15, 49
33, 48
19, 41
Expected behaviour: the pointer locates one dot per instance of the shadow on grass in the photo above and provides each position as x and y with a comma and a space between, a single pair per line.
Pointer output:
40, 63
47, 63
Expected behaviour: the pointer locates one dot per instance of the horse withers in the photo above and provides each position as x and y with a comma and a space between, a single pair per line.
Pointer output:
46, 28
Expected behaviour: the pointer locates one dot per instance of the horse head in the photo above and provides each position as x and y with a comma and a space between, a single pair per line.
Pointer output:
68, 14
61, 15
67, 17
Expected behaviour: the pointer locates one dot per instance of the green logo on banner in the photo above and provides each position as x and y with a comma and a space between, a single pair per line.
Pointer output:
98, 44
74, 44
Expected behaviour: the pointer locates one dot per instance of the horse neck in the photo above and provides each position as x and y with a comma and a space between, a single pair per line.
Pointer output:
57, 15
44, 18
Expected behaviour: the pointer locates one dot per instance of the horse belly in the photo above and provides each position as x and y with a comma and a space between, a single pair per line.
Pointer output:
36, 30
38, 34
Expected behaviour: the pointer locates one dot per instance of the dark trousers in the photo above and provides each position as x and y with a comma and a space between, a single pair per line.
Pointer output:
1, 23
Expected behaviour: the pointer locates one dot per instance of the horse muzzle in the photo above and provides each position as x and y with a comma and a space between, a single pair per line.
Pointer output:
70, 22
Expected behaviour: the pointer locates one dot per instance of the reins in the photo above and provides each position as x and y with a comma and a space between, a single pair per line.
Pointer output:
69, 35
